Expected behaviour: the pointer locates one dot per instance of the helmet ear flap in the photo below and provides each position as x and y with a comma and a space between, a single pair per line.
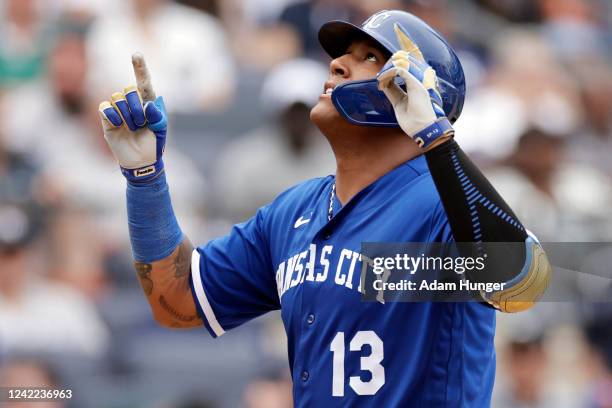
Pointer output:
362, 103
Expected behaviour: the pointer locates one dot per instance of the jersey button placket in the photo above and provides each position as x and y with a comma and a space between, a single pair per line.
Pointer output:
326, 234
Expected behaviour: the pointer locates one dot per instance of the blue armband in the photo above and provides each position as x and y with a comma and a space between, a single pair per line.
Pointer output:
154, 231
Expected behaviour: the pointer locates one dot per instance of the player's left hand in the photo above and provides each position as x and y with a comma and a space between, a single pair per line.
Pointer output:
418, 109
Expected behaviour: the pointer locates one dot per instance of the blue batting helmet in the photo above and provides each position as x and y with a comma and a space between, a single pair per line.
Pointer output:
361, 102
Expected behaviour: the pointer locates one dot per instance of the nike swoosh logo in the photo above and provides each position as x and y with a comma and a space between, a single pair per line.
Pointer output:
301, 221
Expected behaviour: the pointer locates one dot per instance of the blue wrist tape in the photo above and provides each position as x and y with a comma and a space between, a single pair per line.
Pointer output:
154, 231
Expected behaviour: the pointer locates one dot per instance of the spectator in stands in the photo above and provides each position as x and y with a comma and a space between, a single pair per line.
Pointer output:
185, 48
527, 364
252, 170
57, 100
593, 143
526, 377
24, 43
575, 29
561, 201
17, 175
258, 41
526, 85
37, 314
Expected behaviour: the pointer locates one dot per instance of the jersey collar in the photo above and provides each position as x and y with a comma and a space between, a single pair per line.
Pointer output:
377, 192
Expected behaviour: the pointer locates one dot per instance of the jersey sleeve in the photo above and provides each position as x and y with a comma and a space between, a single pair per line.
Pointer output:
232, 278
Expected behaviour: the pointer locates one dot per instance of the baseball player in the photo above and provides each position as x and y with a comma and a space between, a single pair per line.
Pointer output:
395, 87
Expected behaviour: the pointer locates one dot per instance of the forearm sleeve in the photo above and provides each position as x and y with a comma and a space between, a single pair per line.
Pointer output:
477, 213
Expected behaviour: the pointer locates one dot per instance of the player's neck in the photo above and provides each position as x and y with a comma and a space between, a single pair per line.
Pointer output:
362, 160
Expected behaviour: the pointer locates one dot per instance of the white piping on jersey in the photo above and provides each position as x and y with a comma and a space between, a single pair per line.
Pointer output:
196, 278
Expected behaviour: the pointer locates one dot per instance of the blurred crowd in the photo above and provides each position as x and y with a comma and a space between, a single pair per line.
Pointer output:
239, 78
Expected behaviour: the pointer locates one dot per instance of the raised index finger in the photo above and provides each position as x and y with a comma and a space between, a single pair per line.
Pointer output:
143, 78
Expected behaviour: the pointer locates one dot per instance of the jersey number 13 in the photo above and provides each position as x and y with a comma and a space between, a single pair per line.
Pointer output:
369, 363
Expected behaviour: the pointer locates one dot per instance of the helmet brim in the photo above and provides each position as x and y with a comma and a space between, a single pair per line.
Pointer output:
336, 36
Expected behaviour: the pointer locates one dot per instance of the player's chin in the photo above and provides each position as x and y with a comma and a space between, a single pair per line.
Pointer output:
324, 112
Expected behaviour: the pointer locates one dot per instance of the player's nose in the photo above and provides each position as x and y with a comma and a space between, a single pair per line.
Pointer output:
339, 67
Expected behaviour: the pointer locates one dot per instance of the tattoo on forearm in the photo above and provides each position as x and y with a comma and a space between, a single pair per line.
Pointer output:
144, 274
182, 262
175, 314
172, 302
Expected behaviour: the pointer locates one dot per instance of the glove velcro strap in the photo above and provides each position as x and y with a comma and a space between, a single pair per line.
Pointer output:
432, 132
143, 174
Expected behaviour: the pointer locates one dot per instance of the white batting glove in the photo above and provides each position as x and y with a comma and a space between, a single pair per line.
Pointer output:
418, 109
135, 133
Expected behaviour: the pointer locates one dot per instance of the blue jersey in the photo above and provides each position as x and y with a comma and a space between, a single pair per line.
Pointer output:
344, 351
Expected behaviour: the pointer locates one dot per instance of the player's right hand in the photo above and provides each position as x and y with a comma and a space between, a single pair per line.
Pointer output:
419, 109
135, 126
